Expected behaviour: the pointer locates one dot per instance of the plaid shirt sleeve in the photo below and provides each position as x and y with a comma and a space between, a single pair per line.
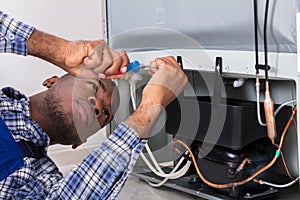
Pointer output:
13, 35
103, 173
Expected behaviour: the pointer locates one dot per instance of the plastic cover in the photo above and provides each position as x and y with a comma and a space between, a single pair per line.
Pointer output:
209, 24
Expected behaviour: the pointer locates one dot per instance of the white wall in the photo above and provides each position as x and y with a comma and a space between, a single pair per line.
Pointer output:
70, 19
73, 20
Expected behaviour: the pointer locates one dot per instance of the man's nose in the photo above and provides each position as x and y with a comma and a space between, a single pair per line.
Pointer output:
96, 105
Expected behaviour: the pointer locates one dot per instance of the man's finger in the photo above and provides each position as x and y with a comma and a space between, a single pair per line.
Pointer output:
117, 63
106, 61
94, 58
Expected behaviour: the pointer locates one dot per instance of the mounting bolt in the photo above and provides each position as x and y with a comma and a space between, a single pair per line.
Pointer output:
248, 195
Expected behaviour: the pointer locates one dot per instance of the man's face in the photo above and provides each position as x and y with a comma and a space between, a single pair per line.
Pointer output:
81, 107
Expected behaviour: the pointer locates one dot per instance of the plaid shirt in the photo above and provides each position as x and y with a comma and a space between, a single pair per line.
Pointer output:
13, 35
100, 175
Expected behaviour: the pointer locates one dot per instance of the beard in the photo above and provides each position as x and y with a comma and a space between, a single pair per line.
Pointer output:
66, 133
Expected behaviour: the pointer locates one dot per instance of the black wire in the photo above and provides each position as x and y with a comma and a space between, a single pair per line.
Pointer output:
256, 35
266, 40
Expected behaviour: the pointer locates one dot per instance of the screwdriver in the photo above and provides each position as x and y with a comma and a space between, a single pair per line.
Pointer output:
135, 67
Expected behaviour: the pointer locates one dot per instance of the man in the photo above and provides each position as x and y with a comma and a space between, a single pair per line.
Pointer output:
72, 109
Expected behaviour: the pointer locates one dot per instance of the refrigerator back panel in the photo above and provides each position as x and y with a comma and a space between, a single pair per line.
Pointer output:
138, 25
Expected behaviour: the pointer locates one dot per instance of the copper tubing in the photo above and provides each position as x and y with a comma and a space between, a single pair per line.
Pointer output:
199, 172
286, 167
241, 167
235, 184
294, 110
226, 185
269, 114
285, 130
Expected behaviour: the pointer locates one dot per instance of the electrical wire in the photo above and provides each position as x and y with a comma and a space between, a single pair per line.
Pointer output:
161, 173
257, 62
268, 102
175, 175
295, 123
287, 125
258, 102
256, 36
184, 170
282, 105
166, 164
132, 83
266, 40
282, 156
156, 169
262, 182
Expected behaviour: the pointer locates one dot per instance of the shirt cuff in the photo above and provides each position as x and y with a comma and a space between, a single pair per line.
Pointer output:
15, 34
128, 136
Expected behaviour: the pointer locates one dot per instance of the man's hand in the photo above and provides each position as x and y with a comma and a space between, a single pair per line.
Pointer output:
85, 59
167, 82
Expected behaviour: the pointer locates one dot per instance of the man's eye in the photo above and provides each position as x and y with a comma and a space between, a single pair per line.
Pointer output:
93, 86
106, 113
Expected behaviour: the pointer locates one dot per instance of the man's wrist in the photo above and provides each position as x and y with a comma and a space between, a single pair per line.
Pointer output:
144, 118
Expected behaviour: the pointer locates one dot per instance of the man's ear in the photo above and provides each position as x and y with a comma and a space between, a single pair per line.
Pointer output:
50, 81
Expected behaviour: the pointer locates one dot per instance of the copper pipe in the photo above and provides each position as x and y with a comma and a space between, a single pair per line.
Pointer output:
269, 114
241, 167
285, 131
286, 167
235, 184
287, 125
226, 185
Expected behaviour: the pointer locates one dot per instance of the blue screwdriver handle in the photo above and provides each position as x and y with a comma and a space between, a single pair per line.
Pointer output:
134, 66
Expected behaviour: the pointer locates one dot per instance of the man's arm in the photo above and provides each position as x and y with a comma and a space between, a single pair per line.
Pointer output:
167, 82
81, 58
104, 172
91, 58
